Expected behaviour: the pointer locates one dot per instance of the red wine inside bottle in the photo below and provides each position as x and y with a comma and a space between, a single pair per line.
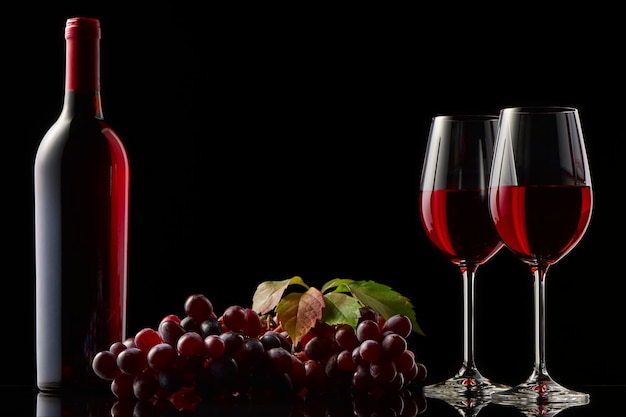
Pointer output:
81, 193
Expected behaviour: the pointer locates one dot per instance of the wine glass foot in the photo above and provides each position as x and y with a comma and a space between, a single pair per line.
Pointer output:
540, 393
465, 386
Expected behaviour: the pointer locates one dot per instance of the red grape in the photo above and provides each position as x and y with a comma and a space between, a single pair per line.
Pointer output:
190, 344
199, 307
243, 353
368, 330
146, 338
235, 318
345, 337
214, 346
393, 345
370, 351
400, 324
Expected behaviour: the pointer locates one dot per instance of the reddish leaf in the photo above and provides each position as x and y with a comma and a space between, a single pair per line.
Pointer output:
269, 293
299, 312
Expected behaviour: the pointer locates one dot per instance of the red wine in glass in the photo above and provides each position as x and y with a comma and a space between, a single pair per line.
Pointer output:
454, 210
541, 199
459, 224
534, 222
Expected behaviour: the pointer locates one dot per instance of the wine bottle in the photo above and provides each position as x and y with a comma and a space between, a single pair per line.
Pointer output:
81, 195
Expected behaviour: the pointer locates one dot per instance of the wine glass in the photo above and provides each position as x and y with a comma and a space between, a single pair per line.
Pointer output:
454, 210
540, 199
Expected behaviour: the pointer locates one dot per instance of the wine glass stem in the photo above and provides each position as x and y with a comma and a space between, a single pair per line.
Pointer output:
539, 277
469, 274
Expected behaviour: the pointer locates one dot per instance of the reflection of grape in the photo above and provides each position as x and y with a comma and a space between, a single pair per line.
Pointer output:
239, 355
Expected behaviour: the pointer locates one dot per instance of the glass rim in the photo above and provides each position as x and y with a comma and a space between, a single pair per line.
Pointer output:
465, 117
540, 109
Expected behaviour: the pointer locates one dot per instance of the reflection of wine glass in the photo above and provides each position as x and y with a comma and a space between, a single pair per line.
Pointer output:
540, 200
544, 410
454, 211
466, 406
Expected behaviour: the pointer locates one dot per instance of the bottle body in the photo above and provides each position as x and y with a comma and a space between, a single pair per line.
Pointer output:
81, 190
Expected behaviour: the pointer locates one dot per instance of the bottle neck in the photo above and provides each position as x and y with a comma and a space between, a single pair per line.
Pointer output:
82, 66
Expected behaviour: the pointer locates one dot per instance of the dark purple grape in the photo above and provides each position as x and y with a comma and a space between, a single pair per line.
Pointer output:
393, 345
252, 352
132, 361
368, 313
362, 379
404, 361
145, 385
224, 371
210, 326
171, 380
345, 337
233, 340
345, 360
279, 361
105, 366
270, 340
383, 371
315, 376
122, 386
319, 348
190, 324
162, 356
171, 331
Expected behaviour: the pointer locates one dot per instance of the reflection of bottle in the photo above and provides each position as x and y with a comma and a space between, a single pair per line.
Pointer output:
52, 405
81, 186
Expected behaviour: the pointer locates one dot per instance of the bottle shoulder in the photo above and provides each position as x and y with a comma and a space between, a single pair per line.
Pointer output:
79, 136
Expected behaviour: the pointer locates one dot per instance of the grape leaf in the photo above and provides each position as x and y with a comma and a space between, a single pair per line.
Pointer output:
384, 300
299, 312
341, 308
337, 284
268, 293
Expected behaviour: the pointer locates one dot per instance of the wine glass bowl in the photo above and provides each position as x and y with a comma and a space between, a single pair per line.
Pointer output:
454, 211
541, 199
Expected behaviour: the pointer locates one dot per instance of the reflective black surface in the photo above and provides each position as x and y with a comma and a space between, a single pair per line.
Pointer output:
606, 400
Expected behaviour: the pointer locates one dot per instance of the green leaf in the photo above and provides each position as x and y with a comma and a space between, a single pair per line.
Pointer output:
268, 293
384, 300
341, 308
337, 284
299, 312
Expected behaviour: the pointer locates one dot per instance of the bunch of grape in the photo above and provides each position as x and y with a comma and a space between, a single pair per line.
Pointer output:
241, 354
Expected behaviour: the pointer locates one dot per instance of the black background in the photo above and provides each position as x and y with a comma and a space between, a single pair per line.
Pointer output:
272, 142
